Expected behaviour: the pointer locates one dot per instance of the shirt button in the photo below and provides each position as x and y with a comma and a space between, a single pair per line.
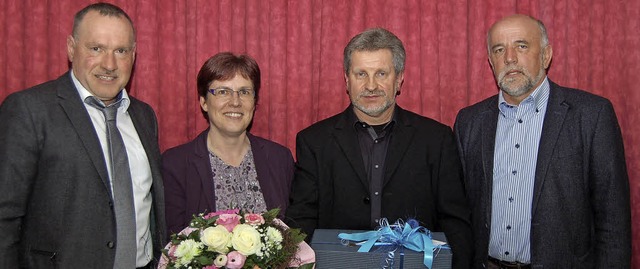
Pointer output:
517, 146
510, 199
110, 244
375, 141
376, 166
514, 172
508, 227
376, 193
520, 121
366, 200
506, 253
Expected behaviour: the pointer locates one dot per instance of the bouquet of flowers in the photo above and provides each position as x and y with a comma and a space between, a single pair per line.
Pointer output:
232, 240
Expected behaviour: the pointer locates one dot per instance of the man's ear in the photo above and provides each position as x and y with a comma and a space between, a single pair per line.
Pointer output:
134, 52
71, 46
399, 81
346, 82
547, 54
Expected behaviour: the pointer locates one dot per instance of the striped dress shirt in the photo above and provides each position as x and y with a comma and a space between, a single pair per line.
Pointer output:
516, 151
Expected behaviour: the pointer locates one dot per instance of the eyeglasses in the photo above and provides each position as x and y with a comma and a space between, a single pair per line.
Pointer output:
227, 93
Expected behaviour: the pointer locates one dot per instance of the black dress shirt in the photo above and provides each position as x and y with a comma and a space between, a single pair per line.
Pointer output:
374, 141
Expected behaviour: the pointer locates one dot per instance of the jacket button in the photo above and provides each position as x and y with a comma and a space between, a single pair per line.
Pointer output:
366, 200
110, 244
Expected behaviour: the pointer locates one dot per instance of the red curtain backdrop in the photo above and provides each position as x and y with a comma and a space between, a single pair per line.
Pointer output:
298, 45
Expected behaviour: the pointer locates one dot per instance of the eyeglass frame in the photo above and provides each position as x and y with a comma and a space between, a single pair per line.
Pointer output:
237, 92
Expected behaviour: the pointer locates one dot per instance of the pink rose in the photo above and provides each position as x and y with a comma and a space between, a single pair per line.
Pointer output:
253, 219
218, 213
235, 260
229, 221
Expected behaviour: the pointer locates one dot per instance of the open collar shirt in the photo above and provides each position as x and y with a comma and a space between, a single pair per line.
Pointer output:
516, 150
374, 142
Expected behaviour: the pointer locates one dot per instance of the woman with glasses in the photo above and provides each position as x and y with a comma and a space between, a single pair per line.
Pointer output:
226, 167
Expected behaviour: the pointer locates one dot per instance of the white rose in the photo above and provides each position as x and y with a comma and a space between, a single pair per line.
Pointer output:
216, 238
246, 239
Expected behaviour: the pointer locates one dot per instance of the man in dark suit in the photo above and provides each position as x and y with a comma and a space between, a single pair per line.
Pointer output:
56, 205
376, 160
544, 165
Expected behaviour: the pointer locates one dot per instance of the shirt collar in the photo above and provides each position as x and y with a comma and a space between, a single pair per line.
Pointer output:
353, 119
539, 97
84, 93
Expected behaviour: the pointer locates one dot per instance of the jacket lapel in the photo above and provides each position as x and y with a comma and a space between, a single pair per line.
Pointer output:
147, 133
200, 163
147, 138
347, 140
554, 118
261, 161
69, 100
489, 119
401, 138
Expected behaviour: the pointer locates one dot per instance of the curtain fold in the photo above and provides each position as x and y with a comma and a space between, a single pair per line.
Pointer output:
298, 45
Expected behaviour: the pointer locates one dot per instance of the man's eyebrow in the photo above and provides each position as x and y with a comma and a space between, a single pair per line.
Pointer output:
497, 45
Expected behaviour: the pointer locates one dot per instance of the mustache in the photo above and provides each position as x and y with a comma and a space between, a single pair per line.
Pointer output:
375, 92
509, 69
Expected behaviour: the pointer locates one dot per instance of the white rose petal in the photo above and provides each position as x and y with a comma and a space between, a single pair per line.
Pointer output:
216, 238
246, 239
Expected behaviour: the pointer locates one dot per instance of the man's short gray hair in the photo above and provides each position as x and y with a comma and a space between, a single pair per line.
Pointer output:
374, 39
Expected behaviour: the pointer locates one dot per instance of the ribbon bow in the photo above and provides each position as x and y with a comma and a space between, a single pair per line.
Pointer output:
409, 235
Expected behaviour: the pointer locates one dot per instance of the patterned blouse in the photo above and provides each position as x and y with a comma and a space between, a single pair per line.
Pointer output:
237, 187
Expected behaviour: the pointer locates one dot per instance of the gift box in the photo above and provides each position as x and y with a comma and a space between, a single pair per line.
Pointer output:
332, 253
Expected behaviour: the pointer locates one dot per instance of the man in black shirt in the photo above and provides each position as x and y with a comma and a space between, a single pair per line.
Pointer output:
376, 160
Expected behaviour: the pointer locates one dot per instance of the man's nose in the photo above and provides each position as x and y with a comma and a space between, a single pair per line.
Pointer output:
510, 56
370, 84
109, 62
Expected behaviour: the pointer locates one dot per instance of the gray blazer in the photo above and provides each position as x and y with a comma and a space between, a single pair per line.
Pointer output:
55, 207
581, 210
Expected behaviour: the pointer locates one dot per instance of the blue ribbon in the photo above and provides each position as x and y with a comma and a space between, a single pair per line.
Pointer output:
408, 235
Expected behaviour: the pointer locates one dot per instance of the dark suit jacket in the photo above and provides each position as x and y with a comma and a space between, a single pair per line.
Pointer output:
188, 178
580, 210
422, 180
55, 207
